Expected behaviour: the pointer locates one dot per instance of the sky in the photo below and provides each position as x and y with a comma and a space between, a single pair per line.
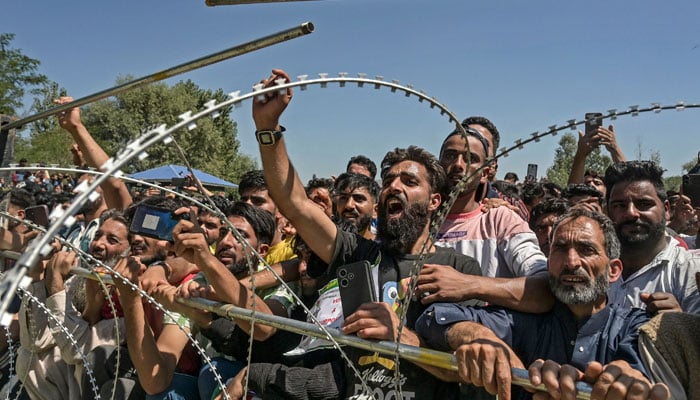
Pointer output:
524, 65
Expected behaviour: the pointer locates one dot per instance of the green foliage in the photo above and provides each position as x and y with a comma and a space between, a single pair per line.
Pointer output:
17, 72
212, 146
50, 147
47, 142
564, 159
673, 183
689, 165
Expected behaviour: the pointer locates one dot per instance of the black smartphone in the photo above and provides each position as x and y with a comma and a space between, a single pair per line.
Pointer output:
531, 173
38, 215
355, 285
594, 120
155, 222
691, 188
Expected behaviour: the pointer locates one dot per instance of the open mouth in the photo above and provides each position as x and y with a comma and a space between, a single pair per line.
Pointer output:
394, 207
455, 177
138, 250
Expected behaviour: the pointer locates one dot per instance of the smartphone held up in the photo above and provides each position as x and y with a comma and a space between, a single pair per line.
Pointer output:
594, 120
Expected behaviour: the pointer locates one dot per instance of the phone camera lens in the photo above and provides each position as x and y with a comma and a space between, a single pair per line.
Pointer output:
342, 272
351, 276
344, 283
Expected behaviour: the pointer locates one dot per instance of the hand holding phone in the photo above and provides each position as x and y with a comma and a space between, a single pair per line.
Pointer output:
154, 222
356, 286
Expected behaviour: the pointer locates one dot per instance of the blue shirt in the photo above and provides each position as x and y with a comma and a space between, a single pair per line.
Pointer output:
608, 335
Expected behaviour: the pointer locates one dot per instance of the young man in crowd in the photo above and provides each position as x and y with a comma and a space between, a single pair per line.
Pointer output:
412, 180
356, 202
499, 239
362, 165
253, 190
657, 274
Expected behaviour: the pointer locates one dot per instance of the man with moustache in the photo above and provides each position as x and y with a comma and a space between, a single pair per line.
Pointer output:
155, 358
583, 332
356, 201
499, 239
45, 349
412, 181
657, 274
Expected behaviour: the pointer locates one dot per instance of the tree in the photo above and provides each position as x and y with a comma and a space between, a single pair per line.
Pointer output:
673, 183
689, 165
654, 155
564, 158
46, 141
17, 72
212, 146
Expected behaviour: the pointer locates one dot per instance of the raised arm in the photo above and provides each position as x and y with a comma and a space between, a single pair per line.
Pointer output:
284, 186
155, 361
588, 143
115, 192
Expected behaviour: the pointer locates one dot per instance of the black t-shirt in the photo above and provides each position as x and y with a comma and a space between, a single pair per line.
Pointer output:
393, 276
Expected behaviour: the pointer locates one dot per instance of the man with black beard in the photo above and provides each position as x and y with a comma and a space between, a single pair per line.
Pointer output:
356, 201
155, 358
583, 331
658, 274
412, 182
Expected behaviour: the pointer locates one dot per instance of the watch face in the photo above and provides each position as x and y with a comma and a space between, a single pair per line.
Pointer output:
266, 137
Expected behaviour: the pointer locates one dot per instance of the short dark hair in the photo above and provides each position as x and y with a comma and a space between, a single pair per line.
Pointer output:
220, 202
581, 189
365, 162
349, 181
22, 198
531, 191
507, 189
262, 221
315, 182
470, 132
551, 189
612, 243
486, 123
549, 206
511, 175
633, 171
436, 174
254, 179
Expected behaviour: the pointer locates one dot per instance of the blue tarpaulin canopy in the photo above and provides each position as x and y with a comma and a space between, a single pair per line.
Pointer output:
166, 173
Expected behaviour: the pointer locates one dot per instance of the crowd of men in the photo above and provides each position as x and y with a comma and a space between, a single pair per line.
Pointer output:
581, 283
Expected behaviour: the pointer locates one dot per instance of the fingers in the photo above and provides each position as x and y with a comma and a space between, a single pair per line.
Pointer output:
559, 380
660, 302
535, 372
372, 321
487, 365
660, 392
183, 226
